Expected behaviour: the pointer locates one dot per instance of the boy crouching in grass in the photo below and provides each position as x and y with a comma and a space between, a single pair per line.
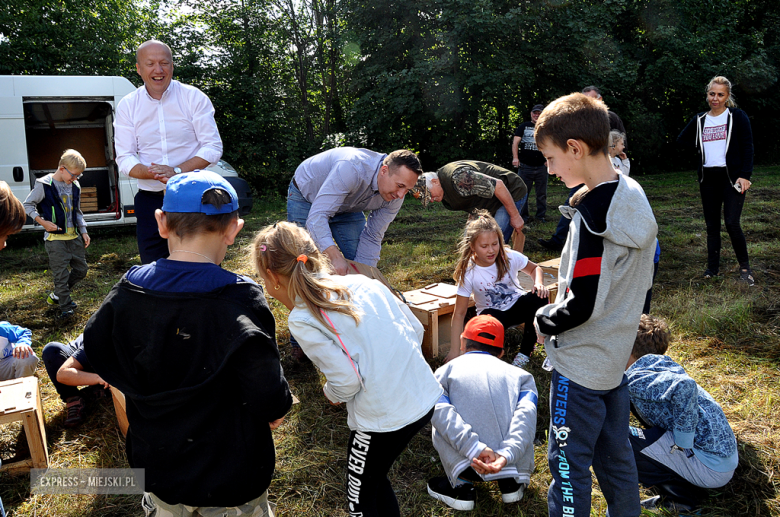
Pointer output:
55, 203
485, 422
605, 272
192, 347
687, 445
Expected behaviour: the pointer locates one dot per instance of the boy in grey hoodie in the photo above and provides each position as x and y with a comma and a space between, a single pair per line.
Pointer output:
606, 270
484, 423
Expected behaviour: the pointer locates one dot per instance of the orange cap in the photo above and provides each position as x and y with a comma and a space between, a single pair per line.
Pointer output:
486, 330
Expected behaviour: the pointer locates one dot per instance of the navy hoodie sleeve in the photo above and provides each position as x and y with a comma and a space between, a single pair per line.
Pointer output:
687, 137
743, 134
259, 373
581, 295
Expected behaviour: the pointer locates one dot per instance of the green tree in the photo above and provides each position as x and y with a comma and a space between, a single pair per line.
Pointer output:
93, 37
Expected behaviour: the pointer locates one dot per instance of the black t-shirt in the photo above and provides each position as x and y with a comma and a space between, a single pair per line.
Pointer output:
528, 153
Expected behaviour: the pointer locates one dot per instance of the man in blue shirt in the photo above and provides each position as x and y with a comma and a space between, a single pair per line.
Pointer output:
330, 191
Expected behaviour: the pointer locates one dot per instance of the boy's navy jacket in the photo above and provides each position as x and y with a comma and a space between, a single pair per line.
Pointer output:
606, 270
202, 379
664, 395
51, 207
739, 143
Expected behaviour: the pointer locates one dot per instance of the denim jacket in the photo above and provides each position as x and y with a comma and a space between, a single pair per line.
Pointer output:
664, 395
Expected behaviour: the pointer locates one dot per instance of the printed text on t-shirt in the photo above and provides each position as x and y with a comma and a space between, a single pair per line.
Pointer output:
714, 133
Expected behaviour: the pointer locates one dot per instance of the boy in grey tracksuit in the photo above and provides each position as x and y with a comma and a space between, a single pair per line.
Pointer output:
484, 423
605, 272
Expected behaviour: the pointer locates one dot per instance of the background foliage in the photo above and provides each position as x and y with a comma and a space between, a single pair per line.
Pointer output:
449, 79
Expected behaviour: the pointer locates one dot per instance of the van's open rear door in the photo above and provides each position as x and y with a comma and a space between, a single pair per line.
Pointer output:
13, 148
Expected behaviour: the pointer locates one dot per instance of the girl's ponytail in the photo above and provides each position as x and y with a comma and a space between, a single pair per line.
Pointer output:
287, 249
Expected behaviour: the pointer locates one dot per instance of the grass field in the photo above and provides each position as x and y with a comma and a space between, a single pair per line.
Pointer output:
726, 335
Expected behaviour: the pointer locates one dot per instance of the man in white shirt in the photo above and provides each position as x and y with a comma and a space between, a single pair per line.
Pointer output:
161, 129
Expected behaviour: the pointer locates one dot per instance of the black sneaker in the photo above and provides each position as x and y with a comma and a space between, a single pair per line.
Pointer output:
67, 313
746, 275
459, 498
76, 407
550, 244
511, 490
708, 273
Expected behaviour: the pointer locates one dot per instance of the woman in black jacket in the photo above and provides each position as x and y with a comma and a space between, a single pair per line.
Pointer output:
724, 141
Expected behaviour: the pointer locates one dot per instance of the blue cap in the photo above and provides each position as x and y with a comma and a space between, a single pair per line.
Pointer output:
184, 194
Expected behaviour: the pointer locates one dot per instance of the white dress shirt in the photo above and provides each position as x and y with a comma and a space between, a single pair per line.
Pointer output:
170, 131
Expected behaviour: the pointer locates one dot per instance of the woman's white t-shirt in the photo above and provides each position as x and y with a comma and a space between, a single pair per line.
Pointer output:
714, 139
490, 293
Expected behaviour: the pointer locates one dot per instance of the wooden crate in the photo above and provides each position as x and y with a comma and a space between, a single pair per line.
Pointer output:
20, 401
550, 268
120, 408
433, 305
89, 199
356, 268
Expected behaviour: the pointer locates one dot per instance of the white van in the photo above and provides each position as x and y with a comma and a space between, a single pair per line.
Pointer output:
41, 116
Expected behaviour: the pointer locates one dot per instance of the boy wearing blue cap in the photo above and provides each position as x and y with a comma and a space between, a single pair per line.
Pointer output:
192, 348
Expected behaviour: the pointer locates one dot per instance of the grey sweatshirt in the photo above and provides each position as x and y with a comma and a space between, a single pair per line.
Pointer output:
486, 403
606, 270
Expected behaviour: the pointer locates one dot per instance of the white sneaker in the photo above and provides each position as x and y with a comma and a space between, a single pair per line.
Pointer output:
513, 497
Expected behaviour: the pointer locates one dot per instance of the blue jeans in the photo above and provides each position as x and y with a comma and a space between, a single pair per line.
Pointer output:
502, 218
345, 227
590, 427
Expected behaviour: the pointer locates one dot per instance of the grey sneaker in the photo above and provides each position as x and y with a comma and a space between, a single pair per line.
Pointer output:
746, 275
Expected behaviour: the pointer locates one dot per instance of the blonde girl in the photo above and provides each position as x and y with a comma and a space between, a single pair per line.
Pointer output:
617, 146
723, 138
489, 271
367, 344
12, 215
